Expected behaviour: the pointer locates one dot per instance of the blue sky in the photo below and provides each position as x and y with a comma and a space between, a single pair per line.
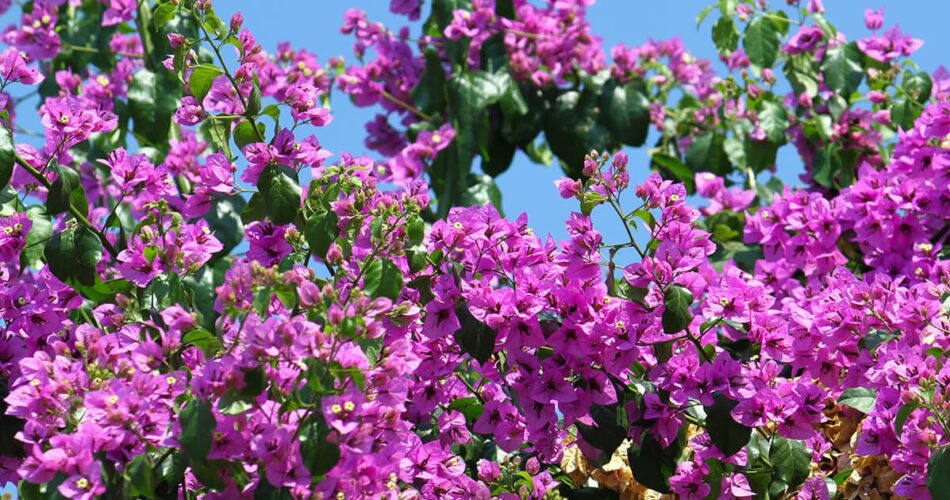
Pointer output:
528, 187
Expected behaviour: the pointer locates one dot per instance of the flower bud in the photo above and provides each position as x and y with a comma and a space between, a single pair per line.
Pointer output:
176, 40
236, 21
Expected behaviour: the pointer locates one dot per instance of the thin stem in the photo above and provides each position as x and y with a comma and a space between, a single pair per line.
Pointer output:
405, 105
93, 50
227, 73
79, 216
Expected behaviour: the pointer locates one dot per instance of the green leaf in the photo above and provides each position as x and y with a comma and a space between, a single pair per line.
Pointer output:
255, 209
606, 435
707, 153
7, 156
202, 339
153, 99
735, 151
725, 35
825, 165
481, 190
652, 465
791, 461
254, 100
918, 85
244, 134
140, 477
322, 229
703, 14
572, 129
224, 219
859, 398
676, 314
902, 415
88, 254
60, 194
727, 434
505, 8
938, 473
470, 406
219, 130
842, 69
278, 185
476, 338
319, 454
876, 338
429, 92
197, 429
383, 279
73, 254
163, 15
625, 111
40, 231
761, 42
678, 169
774, 121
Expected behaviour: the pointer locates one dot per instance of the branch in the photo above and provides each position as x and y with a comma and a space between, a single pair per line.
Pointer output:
79, 216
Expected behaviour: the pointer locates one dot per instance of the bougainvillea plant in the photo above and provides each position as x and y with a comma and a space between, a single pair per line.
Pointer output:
198, 300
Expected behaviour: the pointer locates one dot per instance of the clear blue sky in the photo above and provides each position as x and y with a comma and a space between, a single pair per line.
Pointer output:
527, 187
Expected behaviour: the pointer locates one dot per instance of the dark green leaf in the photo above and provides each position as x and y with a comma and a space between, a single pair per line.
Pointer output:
318, 453
607, 433
383, 279
73, 254
725, 36
902, 415
505, 8
88, 254
918, 85
203, 339
429, 92
791, 461
774, 121
255, 209
652, 465
876, 338
938, 473
163, 15
481, 190
244, 134
60, 194
842, 68
153, 99
140, 477
476, 338
707, 154
727, 434
197, 429
281, 193
625, 111
254, 100
40, 231
572, 130
224, 219
678, 169
322, 229
7, 156
761, 42
859, 398
220, 132
676, 314
470, 406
